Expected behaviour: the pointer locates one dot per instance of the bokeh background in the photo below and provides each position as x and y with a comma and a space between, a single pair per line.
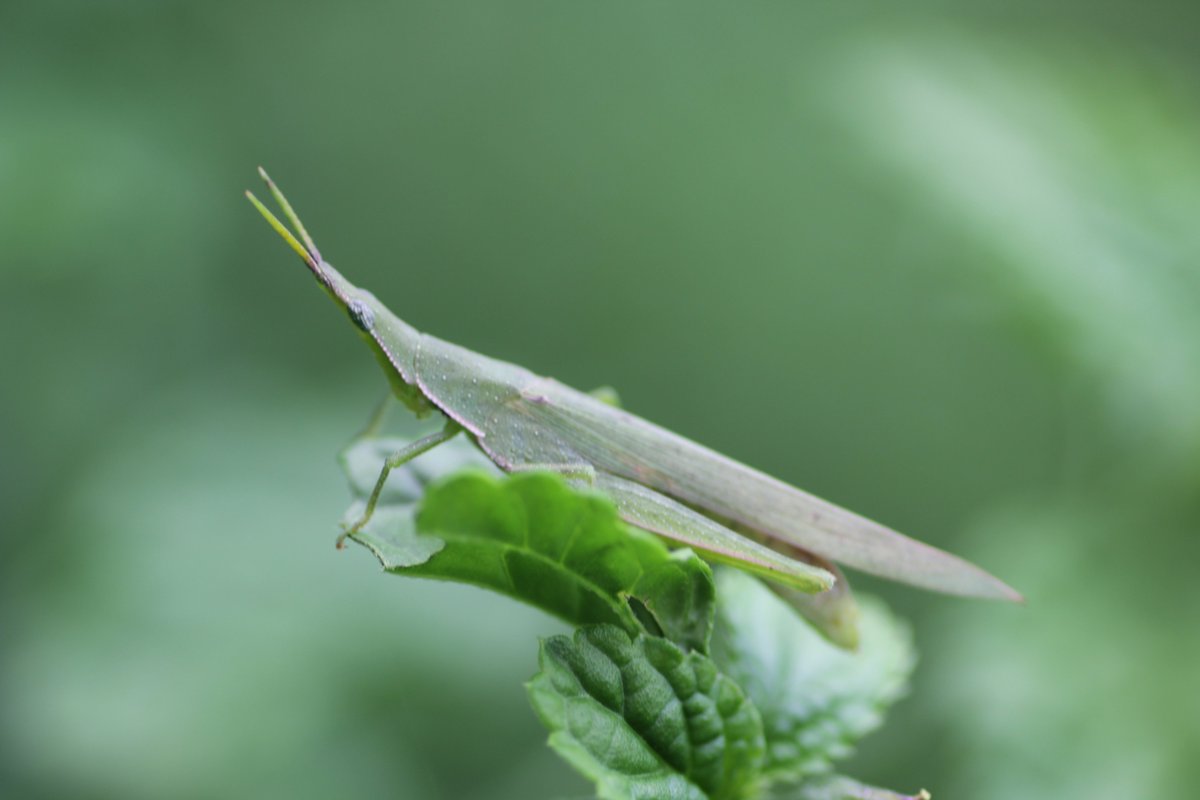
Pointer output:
939, 263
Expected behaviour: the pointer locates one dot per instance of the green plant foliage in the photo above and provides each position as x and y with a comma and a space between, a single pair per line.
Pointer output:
644, 719
626, 702
816, 699
534, 538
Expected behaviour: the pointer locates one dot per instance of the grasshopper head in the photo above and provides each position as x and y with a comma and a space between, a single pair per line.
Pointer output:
392, 341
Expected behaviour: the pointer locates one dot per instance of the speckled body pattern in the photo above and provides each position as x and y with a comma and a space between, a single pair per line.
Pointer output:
659, 480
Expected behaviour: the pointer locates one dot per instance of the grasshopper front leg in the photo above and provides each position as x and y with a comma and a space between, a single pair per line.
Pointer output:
400, 457
375, 423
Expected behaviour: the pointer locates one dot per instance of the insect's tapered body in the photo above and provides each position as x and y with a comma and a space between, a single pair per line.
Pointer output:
520, 419
659, 480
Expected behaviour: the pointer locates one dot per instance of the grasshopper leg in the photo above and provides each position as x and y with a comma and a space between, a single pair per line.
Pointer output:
378, 416
581, 472
373, 427
396, 459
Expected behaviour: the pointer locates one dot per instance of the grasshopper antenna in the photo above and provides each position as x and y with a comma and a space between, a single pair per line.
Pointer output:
282, 231
307, 251
291, 215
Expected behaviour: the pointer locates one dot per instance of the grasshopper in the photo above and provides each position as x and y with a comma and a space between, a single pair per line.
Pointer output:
659, 481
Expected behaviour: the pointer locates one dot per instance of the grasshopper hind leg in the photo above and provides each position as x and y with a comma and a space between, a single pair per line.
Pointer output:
581, 472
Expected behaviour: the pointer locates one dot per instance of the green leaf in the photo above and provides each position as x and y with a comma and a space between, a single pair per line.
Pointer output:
644, 719
816, 700
533, 537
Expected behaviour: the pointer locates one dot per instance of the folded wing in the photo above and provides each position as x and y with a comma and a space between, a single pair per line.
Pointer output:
521, 419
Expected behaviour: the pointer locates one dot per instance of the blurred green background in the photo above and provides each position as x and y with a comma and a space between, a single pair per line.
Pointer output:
940, 264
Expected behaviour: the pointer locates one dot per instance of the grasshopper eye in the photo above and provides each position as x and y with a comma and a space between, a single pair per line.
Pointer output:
362, 315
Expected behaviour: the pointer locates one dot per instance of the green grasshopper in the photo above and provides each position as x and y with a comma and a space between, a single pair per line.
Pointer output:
659, 481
